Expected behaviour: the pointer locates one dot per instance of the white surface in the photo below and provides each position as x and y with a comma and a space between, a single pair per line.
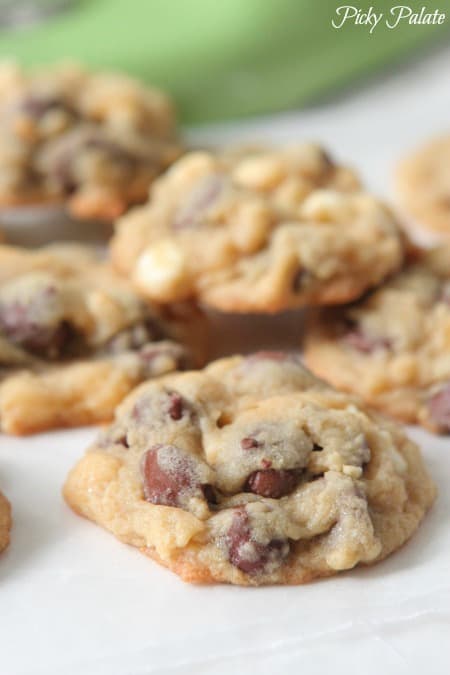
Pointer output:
74, 601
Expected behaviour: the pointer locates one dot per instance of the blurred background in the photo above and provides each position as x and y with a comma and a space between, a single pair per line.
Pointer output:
220, 59
264, 71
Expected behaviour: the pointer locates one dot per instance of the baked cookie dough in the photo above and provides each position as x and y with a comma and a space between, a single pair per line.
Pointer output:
74, 339
423, 183
393, 347
93, 141
261, 232
252, 472
5, 522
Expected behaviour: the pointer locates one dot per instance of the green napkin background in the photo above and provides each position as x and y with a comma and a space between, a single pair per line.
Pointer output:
224, 58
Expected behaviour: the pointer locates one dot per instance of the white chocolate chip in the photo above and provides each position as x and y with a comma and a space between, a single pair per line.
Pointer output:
251, 225
292, 192
260, 173
326, 206
161, 270
352, 471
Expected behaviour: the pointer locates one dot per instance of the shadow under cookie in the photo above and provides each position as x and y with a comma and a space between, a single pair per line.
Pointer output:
36, 225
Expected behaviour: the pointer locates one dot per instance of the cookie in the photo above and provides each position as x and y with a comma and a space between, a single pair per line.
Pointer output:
257, 233
74, 339
393, 347
5, 522
423, 183
252, 472
94, 141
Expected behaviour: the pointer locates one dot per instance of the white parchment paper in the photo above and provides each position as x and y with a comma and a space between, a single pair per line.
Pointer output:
76, 601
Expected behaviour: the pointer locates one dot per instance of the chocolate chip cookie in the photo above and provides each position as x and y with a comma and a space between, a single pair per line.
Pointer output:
393, 347
5, 522
74, 339
93, 141
423, 182
258, 232
252, 472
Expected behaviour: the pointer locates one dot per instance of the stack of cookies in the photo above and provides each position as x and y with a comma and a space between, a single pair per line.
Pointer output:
251, 470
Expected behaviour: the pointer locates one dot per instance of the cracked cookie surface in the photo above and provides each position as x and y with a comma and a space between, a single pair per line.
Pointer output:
252, 472
393, 347
74, 339
5, 522
262, 231
94, 141
423, 183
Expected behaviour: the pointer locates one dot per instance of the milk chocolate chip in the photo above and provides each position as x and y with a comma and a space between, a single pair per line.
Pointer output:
170, 476
272, 483
247, 554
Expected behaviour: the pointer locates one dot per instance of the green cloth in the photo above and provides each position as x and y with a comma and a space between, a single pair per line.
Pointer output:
223, 58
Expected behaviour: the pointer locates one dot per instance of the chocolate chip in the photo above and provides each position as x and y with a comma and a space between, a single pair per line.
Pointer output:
139, 410
114, 151
154, 329
224, 420
21, 324
209, 494
202, 197
175, 406
362, 342
37, 106
135, 337
169, 475
73, 145
149, 355
248, 555
301, 279
273, 483
315, 476
160, 408
439, 408
249, 443
317, 448
55, 343
62, 172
